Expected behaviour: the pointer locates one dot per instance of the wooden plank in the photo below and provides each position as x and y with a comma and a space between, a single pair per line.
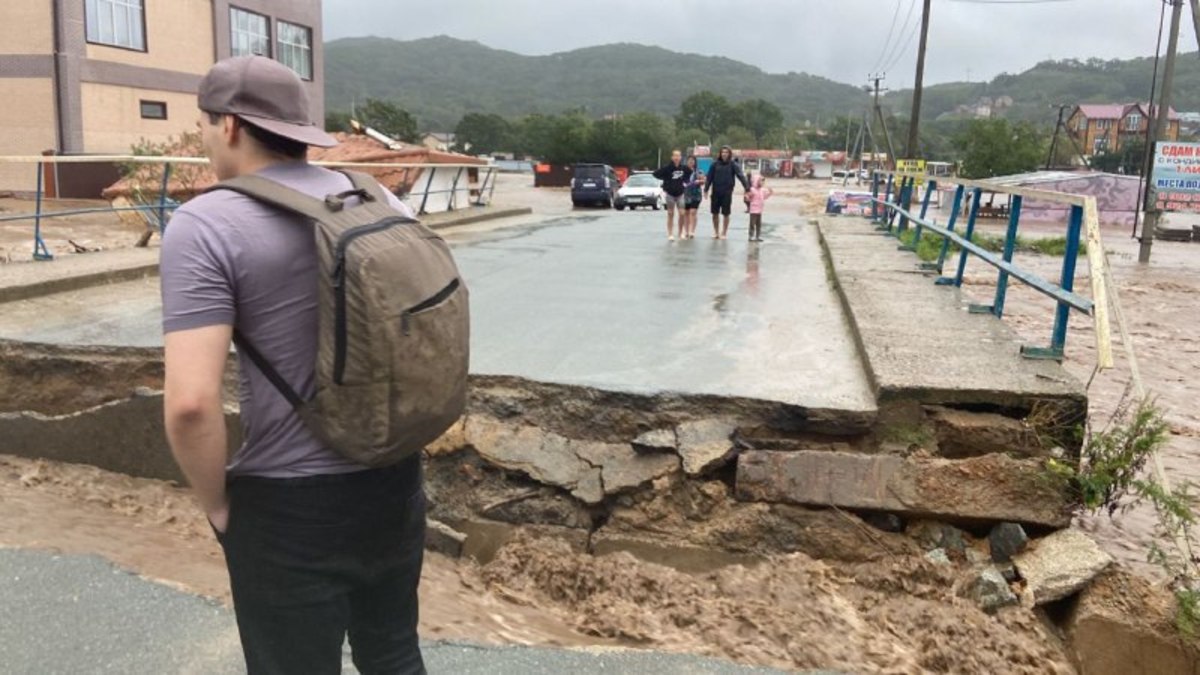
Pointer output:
1028, 193
1096, 256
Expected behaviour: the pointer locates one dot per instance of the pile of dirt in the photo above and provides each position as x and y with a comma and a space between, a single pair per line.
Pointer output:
791, 612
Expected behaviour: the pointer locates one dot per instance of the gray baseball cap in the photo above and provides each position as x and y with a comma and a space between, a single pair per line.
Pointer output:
265, 93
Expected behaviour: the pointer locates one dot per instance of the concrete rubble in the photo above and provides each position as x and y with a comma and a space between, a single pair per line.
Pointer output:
990, 590
705, 445
991, 488
1060, 565
1006, 540
962, 433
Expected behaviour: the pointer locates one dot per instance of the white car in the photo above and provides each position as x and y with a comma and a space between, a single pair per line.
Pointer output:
640, 189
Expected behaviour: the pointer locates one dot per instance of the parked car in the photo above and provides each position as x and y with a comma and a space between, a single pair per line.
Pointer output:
594, 184
640, 189
844, 177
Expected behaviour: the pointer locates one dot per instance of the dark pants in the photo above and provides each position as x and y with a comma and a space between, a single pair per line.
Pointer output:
722, 202
314, 559
755, 225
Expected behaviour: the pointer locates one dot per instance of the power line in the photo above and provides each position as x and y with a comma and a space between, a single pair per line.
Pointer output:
901, 45
887, 42
904, 48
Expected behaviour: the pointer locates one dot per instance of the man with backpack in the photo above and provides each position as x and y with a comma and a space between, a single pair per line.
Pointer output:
723, 176
351, 327
674, 177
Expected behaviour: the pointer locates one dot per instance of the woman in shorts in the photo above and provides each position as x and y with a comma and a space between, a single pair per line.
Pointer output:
693, 196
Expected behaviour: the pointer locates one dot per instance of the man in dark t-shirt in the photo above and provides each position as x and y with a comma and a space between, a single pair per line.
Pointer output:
723, 176
674, 177
317, 546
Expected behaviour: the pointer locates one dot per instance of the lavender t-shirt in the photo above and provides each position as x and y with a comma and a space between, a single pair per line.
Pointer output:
230, 260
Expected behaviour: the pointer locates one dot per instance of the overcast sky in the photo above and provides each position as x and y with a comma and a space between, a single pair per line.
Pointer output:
839, 39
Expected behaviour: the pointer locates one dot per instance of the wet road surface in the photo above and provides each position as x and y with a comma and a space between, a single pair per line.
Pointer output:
597, 298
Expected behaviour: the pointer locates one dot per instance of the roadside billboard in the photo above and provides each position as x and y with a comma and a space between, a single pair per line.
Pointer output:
1175, 178
914, 168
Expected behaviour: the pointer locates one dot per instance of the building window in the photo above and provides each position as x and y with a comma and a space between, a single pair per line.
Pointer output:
1133, 122
1104, 124
116, 23
249, 33
295, 48
154, 110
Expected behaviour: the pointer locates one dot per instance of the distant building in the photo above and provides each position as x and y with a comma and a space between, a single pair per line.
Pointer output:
97, 76
440, 141
1100, 128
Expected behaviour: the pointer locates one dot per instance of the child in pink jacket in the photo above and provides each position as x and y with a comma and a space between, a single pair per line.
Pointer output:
758, 196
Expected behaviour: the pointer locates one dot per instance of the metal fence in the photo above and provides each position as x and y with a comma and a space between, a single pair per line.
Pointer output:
156, 210
892, 197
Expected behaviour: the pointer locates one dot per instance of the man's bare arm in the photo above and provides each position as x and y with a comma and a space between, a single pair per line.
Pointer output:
194, 416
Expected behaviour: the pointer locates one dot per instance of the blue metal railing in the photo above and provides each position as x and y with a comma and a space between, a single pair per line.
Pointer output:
157, 213
892, 214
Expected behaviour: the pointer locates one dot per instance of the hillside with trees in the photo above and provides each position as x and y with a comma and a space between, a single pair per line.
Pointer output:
441, 79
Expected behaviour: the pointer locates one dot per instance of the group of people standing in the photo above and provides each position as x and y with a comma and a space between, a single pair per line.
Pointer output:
685, 187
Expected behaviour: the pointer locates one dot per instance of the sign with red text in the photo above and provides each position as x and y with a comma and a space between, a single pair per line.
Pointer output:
1175, 179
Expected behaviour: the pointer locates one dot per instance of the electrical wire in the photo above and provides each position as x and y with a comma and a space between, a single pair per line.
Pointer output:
903, 47
898, 48
887, 41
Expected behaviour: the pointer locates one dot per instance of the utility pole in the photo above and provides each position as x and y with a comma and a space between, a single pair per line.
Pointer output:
887, 135
914, 121
1054, 138
1162, 118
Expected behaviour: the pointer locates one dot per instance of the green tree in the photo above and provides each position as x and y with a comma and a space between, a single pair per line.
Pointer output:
685, 138
1128, 160
337, 121
706, 111
645, 134
760, 117
388, 118
558, 139
997, 147
736, 137
483, 133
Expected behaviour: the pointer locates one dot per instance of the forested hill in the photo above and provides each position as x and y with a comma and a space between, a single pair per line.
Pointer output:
439, 79
1067, 82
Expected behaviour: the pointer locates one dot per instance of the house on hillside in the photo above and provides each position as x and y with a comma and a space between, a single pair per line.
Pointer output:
99, 76
439, 141
1107, 127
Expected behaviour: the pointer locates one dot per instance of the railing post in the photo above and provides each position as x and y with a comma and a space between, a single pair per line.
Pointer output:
162, 199
40, 251
425, 197
483, 187
954, 209
453, 201
887, 197
874, 196
930, 186
1010, 246
962, 258
1058, 340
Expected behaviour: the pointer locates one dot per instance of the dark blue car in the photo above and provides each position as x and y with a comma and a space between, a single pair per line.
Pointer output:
594, 184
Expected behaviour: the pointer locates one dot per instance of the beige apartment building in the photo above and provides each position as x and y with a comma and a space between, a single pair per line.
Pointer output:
97, 76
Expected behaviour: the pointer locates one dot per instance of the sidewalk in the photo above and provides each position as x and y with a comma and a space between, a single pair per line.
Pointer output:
77, 614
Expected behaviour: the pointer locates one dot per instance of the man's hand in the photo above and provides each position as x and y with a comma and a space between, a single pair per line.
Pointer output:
220, 518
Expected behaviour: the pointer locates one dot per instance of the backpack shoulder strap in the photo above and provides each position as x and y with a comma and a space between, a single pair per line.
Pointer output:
367, 183
275, 194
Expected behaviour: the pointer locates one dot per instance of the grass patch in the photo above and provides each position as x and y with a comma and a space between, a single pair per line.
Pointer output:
930, 246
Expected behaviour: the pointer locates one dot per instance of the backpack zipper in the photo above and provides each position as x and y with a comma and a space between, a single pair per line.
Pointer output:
339, 288
428, 303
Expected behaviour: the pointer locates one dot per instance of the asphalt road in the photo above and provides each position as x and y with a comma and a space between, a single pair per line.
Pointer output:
79, 614
597, 298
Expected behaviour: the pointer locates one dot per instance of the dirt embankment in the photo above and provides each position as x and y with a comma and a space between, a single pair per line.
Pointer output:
898, 614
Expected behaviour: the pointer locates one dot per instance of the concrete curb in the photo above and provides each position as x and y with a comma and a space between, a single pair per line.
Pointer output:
76, 282
142, 270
